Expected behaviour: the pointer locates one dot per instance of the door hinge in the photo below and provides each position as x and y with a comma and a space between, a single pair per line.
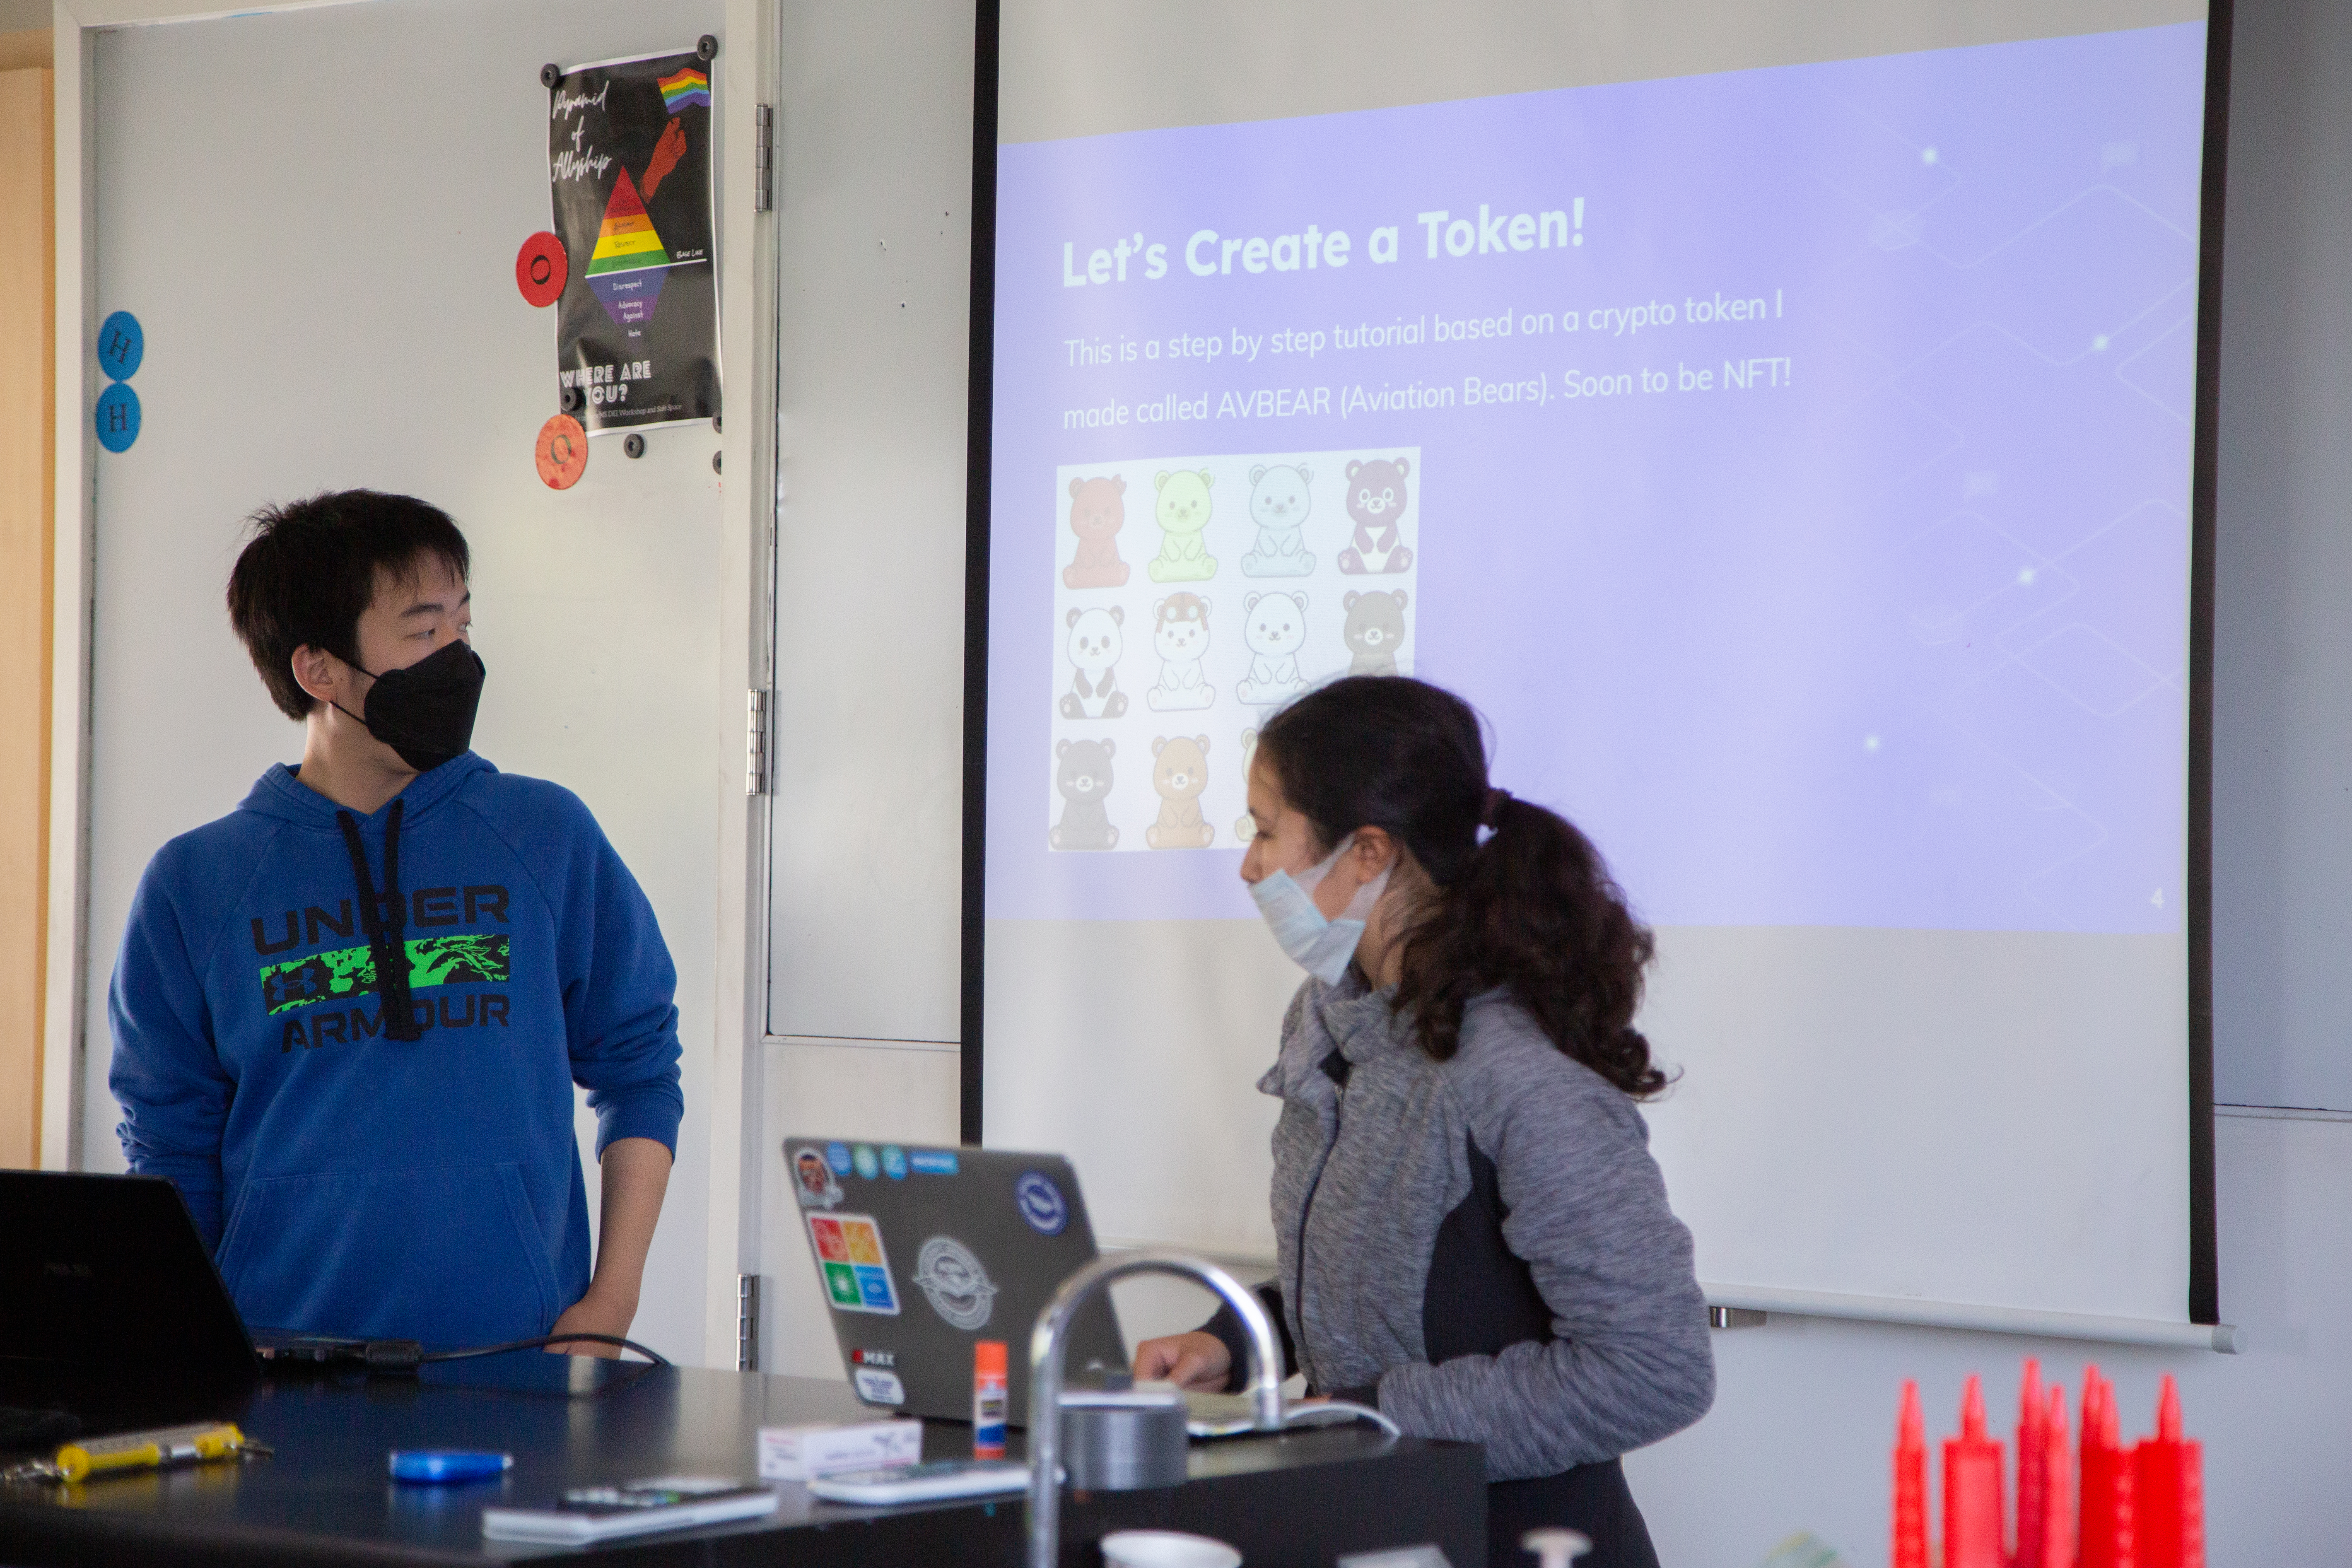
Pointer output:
747, 1322
763, 161
755, 743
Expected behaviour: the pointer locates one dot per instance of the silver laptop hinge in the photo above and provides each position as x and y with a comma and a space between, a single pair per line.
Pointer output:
747, 1322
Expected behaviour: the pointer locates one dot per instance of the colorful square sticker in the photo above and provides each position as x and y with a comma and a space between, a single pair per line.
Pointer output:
841, 1284
875, 1284
856, 1268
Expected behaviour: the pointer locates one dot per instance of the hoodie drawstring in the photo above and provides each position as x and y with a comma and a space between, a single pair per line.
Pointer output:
386, 947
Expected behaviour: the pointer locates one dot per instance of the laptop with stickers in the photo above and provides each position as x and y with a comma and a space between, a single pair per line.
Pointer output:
923, 1251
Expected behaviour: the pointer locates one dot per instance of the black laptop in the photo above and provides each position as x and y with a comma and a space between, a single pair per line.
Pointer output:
112, 1313
923, 1251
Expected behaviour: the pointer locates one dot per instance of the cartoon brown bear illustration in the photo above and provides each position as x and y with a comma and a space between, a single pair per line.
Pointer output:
1084, 777
1376, 499
1097, 511
1375, 630
1180, 771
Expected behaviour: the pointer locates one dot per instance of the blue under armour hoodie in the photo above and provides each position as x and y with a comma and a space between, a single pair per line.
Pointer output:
351, 1042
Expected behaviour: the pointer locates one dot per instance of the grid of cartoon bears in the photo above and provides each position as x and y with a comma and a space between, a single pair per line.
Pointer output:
1245, 580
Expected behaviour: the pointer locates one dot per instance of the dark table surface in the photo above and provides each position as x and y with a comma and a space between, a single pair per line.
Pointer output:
1301, 1498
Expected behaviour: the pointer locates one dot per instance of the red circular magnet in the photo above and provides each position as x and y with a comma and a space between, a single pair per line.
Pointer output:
562, 452
541, 267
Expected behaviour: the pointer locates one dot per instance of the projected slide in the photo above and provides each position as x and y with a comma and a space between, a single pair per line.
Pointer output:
1215, 662
1793, 464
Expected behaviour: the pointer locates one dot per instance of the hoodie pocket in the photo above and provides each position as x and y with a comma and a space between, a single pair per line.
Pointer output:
449, 1255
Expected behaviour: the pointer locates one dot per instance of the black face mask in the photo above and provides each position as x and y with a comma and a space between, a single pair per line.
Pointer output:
425, 712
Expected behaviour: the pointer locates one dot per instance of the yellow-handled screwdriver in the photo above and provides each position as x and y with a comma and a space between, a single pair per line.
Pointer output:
139, 1451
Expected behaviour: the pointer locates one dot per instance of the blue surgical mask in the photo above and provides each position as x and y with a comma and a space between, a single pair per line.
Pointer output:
1316, 942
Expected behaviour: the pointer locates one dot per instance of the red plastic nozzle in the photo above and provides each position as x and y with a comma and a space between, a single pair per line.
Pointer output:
1974, 1536
2032, 1470
1910, 1544
2056, 1537
2168, 1492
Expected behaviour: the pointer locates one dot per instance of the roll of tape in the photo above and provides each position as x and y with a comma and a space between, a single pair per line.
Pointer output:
1123, 1442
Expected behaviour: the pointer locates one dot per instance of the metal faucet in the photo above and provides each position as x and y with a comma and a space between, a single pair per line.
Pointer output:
1050, 1340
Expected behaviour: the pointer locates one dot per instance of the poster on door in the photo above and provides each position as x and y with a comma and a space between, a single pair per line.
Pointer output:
630, 167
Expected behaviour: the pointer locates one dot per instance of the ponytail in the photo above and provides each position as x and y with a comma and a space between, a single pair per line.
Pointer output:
1535, 910
1531, 907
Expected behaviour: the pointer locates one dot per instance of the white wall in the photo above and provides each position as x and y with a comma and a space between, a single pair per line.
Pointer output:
315, 216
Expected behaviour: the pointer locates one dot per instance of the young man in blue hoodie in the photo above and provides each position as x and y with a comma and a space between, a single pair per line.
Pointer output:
349, 1014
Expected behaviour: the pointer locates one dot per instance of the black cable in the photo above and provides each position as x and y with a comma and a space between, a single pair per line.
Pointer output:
544, 1340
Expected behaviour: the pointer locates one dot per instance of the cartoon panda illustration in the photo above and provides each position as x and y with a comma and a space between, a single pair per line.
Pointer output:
1093, 648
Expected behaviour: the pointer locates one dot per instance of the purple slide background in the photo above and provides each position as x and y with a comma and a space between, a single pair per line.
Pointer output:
1900, 642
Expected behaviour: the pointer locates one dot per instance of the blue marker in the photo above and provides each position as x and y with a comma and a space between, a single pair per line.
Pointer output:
444, 1466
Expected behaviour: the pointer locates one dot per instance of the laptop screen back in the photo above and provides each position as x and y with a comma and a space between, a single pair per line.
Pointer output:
923, 1252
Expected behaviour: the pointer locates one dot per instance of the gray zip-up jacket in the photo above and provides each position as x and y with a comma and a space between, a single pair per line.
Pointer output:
1575, 1335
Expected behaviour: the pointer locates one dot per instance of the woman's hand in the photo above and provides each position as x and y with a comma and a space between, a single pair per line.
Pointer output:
1197, 1362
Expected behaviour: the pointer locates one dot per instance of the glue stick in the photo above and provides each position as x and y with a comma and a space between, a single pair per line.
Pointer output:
988, 1399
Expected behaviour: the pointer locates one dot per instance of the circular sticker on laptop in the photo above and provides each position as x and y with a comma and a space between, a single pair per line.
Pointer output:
952, 1280
1040, 1202
812, 1182
863, 1155
894, 1162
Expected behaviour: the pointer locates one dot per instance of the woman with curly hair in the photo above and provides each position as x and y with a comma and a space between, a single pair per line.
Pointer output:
1471, 1234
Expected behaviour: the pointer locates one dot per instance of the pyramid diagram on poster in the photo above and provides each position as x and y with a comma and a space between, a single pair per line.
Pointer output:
628, 265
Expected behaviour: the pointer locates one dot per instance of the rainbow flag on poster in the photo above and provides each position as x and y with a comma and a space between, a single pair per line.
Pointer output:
629, 177
628, 266
687, 88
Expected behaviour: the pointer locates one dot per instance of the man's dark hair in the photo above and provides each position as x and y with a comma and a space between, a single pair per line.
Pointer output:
310, 567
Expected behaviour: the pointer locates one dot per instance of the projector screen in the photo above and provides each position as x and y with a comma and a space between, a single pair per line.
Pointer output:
1780, 421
